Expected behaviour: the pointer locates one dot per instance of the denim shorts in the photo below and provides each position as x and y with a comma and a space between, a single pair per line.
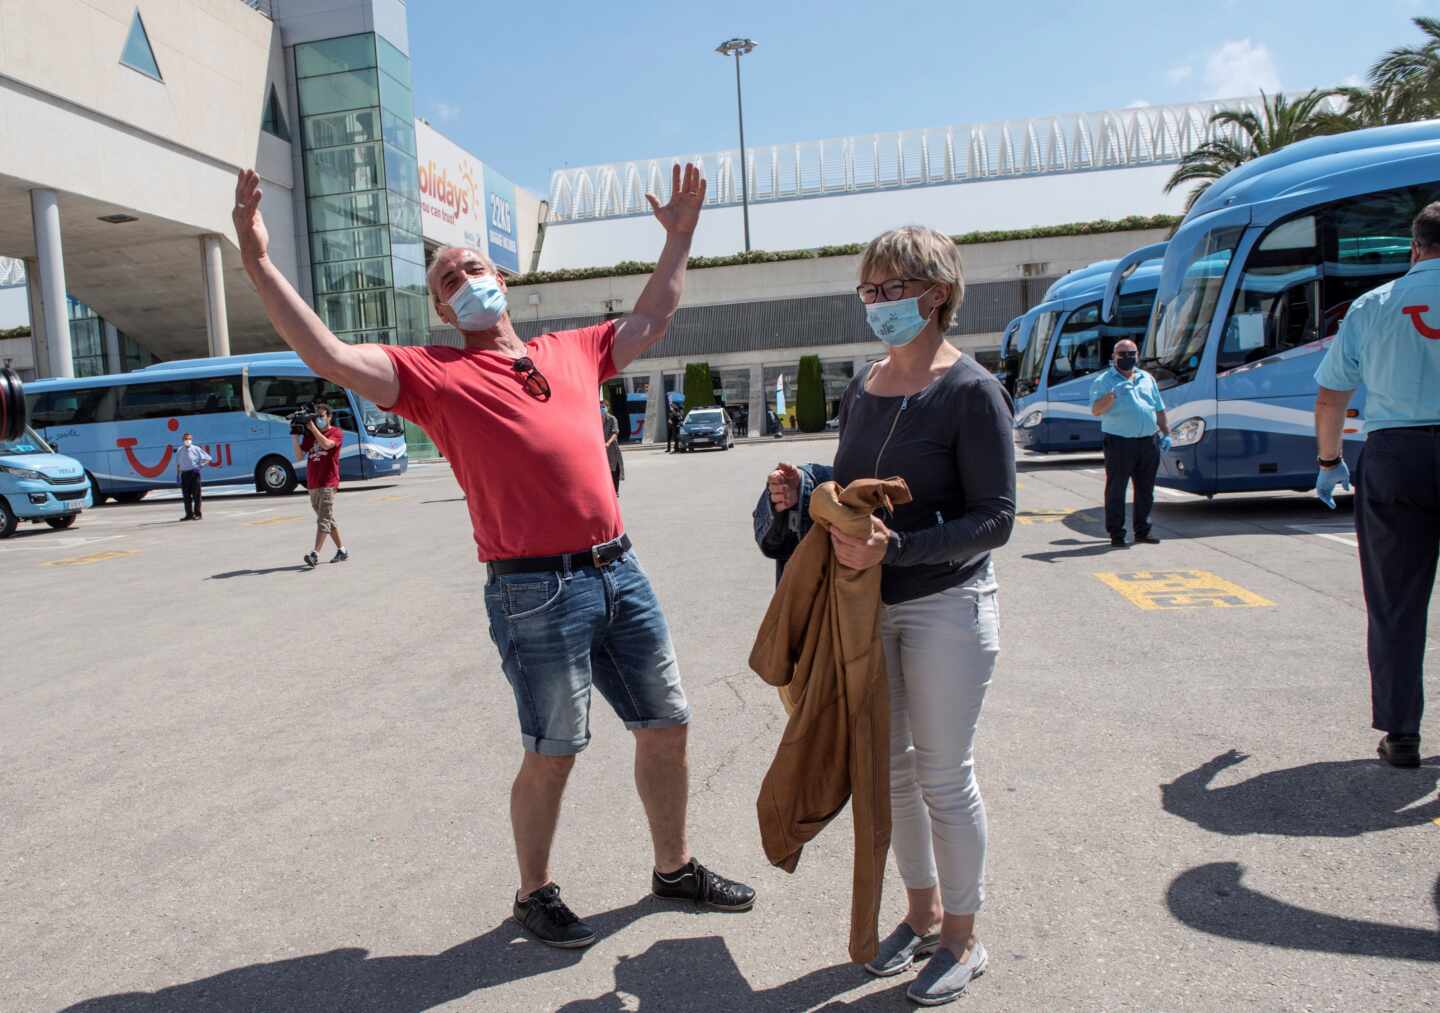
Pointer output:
559, 633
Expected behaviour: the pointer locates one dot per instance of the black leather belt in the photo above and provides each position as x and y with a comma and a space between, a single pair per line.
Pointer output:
596, 557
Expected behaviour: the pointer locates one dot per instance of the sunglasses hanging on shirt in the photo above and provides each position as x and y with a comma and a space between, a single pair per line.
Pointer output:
532, 379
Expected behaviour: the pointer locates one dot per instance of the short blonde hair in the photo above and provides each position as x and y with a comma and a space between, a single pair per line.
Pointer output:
914, 251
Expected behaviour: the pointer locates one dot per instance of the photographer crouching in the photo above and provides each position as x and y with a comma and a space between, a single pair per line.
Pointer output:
318, 438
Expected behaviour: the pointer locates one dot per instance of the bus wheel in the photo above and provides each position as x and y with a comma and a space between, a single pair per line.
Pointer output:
135, 496
275, 476
96, 496
61, 523
8, 523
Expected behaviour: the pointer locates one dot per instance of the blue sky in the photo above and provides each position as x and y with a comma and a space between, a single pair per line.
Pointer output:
533, 86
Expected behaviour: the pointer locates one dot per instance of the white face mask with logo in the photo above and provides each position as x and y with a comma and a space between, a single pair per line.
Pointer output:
899, 322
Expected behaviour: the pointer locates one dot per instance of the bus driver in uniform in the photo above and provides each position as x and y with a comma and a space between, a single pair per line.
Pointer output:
1390, 342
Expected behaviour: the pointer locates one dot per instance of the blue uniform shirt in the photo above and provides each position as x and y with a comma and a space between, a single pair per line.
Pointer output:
1137, 400
1390, 342
191, 458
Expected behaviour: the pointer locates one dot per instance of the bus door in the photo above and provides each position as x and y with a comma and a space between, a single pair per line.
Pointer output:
1080, 353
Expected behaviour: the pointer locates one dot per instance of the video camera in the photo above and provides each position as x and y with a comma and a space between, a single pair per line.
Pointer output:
12, 405
307, 414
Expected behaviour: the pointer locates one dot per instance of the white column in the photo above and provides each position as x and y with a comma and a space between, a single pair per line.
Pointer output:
655, 409
50, 259
112, 348
758, 403
39, 347
217, 325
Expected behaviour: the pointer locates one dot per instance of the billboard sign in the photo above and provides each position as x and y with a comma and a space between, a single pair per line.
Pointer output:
452, 190
500, 221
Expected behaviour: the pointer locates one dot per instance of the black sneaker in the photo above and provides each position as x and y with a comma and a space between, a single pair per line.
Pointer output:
1147, 539
1117, 541
340, 556
312, 559
1400, 750
695, 882
546, 917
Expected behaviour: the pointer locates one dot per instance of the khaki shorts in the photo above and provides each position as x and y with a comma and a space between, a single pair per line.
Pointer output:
322, 501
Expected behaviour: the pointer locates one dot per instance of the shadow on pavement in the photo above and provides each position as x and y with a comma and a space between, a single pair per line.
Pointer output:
1211, 899
452, 499
1341, 798
1025, 463
298, 568
1223, 515
690, 974
1085, 549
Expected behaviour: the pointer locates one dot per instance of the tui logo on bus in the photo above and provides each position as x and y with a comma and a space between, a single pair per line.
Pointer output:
221, 454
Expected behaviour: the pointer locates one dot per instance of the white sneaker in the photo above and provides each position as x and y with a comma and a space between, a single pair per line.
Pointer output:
945, 979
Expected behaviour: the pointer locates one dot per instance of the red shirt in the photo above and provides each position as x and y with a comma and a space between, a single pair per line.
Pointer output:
534, 472
322, 467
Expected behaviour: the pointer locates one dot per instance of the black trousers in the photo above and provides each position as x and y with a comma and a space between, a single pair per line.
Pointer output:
190, 489
672, 438
1397, 522
1130, 459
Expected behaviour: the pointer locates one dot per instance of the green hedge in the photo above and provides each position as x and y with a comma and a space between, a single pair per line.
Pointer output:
809, 395
699, 388
15, 332
1133, 223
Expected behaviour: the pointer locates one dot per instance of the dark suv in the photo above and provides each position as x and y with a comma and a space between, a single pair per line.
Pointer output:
707, 427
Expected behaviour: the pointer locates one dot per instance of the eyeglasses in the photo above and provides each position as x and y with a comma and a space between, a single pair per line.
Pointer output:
886, 291
533, 380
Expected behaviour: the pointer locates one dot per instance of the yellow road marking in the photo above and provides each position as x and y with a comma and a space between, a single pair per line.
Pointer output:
1181, 589
392, 499
94, 557
273, 520
1042, 516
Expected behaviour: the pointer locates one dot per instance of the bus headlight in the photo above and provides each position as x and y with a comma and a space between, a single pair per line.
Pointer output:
1187, 433
25, 473
1031, 419
374, 453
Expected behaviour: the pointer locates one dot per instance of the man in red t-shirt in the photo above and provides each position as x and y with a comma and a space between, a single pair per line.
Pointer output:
321, 447
569, 606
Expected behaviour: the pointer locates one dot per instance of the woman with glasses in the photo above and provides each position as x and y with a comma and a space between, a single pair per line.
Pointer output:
936, 418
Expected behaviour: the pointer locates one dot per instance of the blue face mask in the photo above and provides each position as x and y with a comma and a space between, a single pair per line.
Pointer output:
896, 323
479, 303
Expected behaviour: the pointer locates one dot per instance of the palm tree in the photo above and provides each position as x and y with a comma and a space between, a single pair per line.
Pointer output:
1415, 67
1378, 106
1250, 135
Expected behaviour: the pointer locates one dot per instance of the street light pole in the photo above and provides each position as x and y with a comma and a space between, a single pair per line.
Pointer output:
740, 47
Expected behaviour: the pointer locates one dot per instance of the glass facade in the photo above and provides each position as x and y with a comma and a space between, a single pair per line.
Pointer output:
362, 185
363, 188
87, 343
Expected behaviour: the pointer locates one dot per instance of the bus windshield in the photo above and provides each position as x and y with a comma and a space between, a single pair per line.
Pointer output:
378, 422
1181, 324
1032, 360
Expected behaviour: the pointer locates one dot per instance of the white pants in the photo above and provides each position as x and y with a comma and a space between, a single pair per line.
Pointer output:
940, 651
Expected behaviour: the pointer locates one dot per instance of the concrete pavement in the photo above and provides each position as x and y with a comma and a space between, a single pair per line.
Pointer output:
228, 783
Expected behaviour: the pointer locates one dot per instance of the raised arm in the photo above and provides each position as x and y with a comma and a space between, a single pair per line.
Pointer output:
365, 369
650, 319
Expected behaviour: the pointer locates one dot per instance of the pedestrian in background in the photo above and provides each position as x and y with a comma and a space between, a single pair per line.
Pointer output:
612, 445
189, 459
1132, 417
1390, 342
673, 418
321, 447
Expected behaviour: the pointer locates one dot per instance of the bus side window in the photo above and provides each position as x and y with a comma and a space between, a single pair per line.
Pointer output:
1078, 352
1369, 246
1276, 302
218, 394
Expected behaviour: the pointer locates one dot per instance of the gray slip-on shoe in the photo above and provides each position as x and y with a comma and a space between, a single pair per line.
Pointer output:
945, 979
900, 949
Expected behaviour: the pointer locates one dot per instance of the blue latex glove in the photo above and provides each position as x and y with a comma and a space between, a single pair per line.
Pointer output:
1328, 479
1165, 444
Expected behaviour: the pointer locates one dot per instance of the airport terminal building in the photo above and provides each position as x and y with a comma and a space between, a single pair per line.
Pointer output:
123, 125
